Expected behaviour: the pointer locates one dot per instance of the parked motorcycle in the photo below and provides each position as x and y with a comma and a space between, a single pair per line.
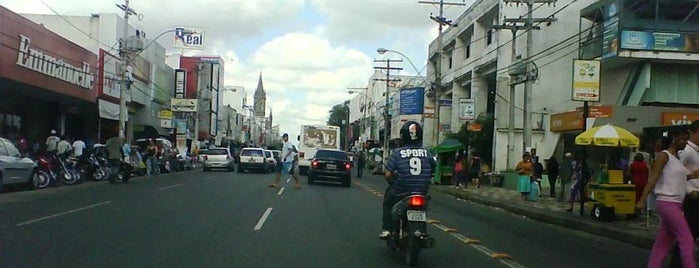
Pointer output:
45, 172
66, 173
90, 167
410, 225
124, 173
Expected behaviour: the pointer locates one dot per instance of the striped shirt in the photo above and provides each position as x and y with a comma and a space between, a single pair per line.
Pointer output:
412, 169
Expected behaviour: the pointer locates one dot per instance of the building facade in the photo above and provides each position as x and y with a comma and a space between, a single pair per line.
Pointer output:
636, 77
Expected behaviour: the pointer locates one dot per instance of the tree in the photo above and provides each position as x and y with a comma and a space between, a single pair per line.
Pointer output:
338, 114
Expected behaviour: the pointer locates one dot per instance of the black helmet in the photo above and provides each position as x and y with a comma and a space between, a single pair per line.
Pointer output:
411, 133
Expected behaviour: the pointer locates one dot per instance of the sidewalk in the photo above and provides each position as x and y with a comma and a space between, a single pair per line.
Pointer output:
640, 231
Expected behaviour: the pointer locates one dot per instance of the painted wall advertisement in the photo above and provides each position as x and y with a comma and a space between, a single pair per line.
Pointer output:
468, 109
586, 76
660, 41
412, 100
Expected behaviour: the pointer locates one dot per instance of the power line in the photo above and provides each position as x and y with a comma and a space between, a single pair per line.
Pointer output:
78, 28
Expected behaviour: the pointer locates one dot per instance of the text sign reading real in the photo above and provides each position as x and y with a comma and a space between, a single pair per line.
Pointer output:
189, 37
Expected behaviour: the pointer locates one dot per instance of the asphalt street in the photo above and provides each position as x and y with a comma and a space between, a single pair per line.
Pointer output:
226, 219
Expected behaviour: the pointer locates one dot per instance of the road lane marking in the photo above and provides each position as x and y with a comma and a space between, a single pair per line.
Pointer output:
288, 180
63, 213
502, 257
263, 219
171, 186
281, 191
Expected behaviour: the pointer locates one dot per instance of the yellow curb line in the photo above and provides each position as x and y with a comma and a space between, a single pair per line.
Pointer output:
471, 241
500, 256
433, 222
451, 230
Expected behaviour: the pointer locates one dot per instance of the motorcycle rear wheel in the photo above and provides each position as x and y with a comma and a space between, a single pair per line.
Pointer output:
411, 250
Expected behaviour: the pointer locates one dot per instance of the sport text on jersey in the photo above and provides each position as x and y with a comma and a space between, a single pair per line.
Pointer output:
413, 153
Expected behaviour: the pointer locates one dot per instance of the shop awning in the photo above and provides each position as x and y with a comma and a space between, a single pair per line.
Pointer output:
108, 110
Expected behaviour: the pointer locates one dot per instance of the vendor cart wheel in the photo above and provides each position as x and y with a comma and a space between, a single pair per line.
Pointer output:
602, 212
596, 212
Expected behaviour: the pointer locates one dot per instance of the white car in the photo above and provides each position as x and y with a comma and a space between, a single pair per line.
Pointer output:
270, 160
252, 159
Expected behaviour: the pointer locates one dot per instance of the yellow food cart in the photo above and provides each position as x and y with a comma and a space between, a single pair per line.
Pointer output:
611, 196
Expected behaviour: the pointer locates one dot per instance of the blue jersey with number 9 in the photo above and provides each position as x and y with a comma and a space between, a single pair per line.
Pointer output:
412, 169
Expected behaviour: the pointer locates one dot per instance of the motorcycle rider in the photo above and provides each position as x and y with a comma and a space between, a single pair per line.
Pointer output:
409, 170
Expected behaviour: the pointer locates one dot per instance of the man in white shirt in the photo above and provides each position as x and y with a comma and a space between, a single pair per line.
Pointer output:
690, 158
52, 142
78, 147
287, 158
63, 148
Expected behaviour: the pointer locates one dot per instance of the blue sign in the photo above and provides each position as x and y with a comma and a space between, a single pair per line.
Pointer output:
412, 100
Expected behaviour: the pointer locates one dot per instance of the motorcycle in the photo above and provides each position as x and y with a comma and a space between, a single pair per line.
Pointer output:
124, 173
410, 225
90, 167
66, 173
44, 171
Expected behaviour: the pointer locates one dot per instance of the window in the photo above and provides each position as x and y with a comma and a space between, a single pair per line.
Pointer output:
326, 154
251, 153
11, 149
3, 151
450, 61
489, 37
467, 50
217, 152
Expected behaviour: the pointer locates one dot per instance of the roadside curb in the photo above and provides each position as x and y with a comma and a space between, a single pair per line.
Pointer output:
567, 221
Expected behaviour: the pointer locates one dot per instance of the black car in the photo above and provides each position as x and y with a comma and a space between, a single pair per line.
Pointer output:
332, 165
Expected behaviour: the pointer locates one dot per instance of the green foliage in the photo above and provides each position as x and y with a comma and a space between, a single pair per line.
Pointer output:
338, 113
480, 142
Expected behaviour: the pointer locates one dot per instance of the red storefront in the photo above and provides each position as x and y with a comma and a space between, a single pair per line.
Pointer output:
46, 82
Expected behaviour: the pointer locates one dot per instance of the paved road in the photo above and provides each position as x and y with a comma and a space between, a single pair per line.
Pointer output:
217, 219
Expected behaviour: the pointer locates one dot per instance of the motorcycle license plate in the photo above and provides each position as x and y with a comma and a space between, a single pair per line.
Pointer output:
416, 215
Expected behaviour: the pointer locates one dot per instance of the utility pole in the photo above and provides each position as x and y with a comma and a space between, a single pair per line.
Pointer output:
387, 126
530, 74
513, 82
123, 112
441, 20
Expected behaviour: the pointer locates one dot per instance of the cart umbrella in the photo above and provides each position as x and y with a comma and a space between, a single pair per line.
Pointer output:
607, 135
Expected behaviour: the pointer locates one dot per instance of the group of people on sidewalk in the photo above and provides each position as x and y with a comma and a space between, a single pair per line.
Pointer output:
467, 168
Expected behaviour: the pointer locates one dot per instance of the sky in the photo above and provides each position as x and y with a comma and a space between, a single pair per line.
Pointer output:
308, 51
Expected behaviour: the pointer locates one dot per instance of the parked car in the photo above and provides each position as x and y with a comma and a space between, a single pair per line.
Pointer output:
330, 165
218, 158
252, 159
270, 160
14, 168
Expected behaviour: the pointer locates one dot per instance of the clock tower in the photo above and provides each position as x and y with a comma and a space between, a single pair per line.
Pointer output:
260, 98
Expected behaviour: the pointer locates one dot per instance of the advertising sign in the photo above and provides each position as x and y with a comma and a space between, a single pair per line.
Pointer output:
610, 36
180, 82
140, 69
468, 109
183, 105
445, 102
181, 125
412, 100
166, 123
189, 38
659, 41
165, 114
586, 76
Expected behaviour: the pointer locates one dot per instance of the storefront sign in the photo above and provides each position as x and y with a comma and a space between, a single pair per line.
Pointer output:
678, 118
445, 102
603, 111
189, 37
610, 36
586, 76
180, 81
166, 123
40, 61
183, 105
660, 41
468, 109
412, 100
566, 121
165, 114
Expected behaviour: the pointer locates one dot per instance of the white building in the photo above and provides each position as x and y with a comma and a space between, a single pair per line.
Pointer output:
476, 60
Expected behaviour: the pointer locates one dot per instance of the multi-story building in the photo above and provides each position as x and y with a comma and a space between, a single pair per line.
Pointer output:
648, 70
204, 83
150, 79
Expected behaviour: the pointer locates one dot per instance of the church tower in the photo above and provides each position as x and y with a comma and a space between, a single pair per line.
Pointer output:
260, 98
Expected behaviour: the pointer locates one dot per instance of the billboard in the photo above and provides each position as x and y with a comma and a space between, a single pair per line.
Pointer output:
660, 41
180, 82
412, 100
189, 38
183, 105
586, 76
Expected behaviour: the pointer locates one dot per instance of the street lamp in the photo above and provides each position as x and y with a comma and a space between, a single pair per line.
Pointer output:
384, 50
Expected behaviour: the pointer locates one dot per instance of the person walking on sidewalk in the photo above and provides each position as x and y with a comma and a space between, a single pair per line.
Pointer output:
580, 177
669, 182
690, 158
639, 174
360, 164
460, 171
474, 170
524, 169
552, 170
566, 171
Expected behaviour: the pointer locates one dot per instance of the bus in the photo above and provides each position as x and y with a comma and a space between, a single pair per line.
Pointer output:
312, 138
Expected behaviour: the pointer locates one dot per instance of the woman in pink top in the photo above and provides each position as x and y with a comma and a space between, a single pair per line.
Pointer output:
668, 180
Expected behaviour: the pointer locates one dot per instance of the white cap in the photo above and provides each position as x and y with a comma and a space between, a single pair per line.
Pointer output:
568, 154
53, 132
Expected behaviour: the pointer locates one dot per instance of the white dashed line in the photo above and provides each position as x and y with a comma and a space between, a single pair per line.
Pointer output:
170, 187
288, 180
263, 219
63, 213
281, 191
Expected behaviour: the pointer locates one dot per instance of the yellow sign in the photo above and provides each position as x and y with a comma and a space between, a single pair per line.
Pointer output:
586, 76
165, 114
